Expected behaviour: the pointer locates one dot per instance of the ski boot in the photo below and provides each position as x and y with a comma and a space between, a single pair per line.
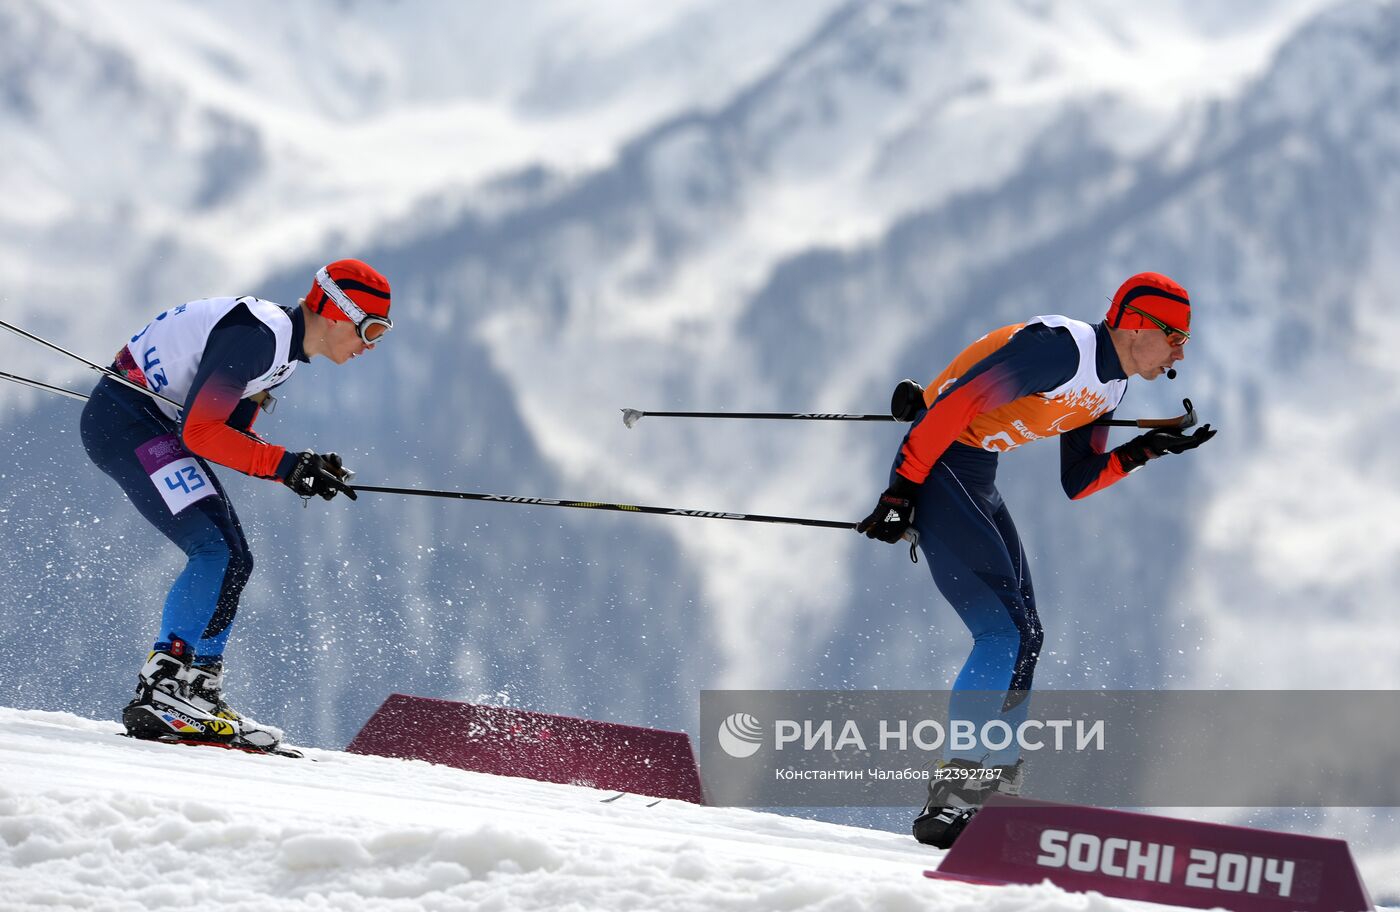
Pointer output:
176, 701
206, 690
163, 708
956, 790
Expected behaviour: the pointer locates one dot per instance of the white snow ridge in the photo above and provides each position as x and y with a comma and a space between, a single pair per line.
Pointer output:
91, 820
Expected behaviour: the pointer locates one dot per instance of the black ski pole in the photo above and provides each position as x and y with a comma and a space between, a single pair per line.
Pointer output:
905, 405
910, 536
1180, 422
106, 372
631, 416
25, 381
616, 507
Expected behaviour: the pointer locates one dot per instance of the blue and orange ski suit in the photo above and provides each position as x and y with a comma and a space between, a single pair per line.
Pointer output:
1050, 376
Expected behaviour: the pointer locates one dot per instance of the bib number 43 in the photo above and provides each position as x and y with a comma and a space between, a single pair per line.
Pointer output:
181, 483
186, 479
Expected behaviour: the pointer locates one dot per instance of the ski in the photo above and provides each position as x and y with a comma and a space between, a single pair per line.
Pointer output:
289, 752
623, 795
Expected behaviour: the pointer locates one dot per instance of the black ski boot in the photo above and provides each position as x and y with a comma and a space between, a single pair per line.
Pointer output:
956, 790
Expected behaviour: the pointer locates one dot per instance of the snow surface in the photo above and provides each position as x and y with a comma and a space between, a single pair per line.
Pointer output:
90, 820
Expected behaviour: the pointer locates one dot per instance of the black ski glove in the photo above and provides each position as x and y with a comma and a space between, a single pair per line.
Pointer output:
1158, 442
892, 515
320, 475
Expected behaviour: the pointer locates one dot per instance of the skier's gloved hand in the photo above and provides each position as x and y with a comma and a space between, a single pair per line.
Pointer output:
907, 401
336, 466
1158, 442
320, 476
892, 515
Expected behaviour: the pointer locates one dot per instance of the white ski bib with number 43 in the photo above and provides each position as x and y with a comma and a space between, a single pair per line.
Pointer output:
178, 476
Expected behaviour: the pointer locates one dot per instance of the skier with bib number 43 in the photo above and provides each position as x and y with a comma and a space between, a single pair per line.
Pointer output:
219, 358
1051, 376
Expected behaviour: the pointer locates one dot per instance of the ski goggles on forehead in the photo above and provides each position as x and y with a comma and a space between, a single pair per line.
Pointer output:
1175, 337
370, 327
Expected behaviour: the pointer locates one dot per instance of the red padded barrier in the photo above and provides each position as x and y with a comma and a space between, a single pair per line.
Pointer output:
1156, 859
531, 745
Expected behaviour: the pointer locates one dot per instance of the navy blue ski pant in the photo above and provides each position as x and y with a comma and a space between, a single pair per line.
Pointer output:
128, 438
978, 564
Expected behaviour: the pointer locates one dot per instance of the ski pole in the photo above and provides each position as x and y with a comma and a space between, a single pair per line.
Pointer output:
616, 507
908, 398
106, 372
1180, 422
25, 381
630, 417
910, 536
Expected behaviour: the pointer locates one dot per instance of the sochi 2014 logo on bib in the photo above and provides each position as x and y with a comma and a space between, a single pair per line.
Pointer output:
278, 375
741, 735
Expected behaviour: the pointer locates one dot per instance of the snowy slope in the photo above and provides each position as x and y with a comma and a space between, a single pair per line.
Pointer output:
92, 821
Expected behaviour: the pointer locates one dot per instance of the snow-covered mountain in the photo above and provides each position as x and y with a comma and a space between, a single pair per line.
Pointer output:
708, 205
